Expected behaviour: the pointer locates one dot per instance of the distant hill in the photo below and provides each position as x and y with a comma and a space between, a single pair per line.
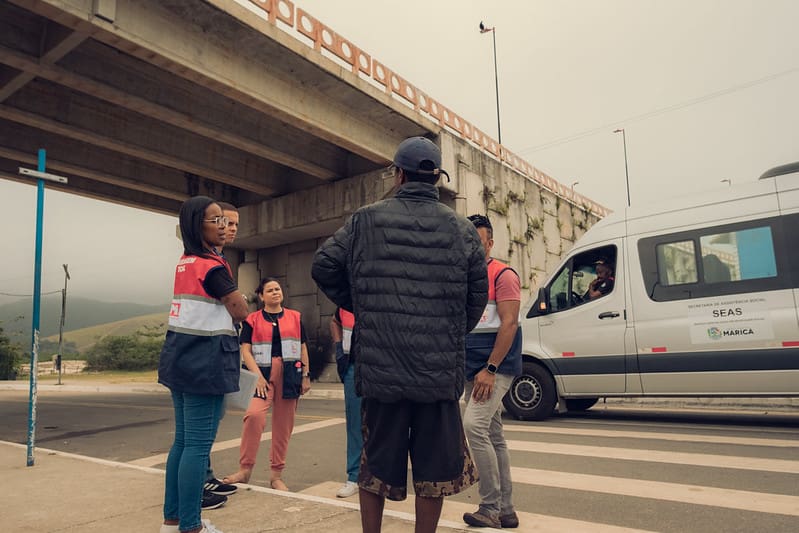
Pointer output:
81, 313
84, 338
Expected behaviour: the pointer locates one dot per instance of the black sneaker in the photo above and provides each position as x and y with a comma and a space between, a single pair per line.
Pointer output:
212, 501
217, 487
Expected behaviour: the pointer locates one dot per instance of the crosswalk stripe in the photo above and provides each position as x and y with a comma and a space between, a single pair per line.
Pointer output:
729, 428
152, 460
452, 512
679, 437
657, 456
743, 500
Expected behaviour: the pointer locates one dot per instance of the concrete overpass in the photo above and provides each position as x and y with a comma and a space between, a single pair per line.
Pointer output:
255, 102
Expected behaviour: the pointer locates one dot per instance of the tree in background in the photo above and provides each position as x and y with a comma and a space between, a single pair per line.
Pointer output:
139, 351
48, 348
10, 357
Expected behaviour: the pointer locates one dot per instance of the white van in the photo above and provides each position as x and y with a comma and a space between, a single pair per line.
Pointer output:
703, 303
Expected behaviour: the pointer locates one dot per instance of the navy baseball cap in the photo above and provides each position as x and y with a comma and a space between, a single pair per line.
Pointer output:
419, 155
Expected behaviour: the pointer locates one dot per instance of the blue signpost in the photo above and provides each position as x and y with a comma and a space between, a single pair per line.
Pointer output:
41, 175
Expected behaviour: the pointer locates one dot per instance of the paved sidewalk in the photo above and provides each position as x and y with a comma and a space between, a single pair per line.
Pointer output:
73, 493
319, 391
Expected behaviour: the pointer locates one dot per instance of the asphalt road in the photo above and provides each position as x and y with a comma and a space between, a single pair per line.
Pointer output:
674, 470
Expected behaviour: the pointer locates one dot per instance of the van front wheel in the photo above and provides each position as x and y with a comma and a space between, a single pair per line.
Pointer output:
532, 395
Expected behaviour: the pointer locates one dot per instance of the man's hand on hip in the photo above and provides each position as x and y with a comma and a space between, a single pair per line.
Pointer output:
483, 386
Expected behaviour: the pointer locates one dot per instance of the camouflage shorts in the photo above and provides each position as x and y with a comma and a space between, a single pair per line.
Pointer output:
430, 433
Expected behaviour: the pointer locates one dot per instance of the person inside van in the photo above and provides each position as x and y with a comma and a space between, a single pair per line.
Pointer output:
603, 284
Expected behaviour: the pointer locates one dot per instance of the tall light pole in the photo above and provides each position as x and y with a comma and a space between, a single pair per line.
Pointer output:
573, 184
59, 357
493, 30
626, 172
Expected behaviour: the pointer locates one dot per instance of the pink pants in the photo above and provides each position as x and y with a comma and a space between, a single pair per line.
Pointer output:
255, 421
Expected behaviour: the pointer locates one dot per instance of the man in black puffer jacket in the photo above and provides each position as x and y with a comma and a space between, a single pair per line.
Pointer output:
413, 272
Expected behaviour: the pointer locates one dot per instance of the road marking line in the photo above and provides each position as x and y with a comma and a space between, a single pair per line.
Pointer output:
761, 502
452, 513
731, 428
152, 460
680, 437
656, 456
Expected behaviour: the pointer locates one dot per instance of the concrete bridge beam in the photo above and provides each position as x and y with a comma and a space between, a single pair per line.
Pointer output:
190, 122
194, 42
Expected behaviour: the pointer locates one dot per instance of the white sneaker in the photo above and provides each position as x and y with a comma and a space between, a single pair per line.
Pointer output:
208, 527
347, 489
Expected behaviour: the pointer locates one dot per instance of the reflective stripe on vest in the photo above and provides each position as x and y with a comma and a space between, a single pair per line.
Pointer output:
490, 322
290, 336
194, 311
347, 323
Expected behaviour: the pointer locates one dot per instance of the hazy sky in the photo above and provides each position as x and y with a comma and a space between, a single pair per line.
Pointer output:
706, 91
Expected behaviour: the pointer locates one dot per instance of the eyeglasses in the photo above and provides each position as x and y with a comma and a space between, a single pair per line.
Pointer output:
219, 221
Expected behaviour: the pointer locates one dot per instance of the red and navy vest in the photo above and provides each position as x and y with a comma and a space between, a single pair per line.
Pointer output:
290, 336
480, 342
489, 322
347, 323
290, 325
200, 353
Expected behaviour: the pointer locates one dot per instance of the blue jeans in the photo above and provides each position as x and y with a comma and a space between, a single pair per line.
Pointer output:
196, 421
352, 408
209, 472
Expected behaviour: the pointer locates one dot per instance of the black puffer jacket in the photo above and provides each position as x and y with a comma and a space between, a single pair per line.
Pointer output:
414, 273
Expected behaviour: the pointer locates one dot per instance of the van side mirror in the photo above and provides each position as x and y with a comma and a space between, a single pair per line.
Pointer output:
541, 304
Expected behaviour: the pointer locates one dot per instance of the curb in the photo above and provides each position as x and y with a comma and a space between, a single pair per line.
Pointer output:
321, 393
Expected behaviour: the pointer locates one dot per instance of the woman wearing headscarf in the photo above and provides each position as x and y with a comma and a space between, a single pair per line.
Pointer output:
200, 359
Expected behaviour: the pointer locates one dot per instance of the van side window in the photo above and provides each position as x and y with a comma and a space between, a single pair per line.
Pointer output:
576, 283
559, 290
676, 263
728, 259
738, 255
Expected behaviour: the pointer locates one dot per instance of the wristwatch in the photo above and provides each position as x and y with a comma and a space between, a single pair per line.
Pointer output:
492, 368
306, 374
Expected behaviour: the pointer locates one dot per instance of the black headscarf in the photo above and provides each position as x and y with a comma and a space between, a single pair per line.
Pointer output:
192, 214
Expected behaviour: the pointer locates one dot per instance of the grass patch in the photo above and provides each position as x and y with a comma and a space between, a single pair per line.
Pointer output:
111, 376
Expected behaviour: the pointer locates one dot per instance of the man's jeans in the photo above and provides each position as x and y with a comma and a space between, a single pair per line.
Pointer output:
196, 421
352, 407
482, 423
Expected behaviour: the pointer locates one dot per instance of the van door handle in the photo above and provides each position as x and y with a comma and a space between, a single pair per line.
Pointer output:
608, 314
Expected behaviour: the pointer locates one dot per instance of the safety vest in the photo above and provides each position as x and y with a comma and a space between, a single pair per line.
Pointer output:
290, 336
489, 322
194, 311
347, 323
200, 354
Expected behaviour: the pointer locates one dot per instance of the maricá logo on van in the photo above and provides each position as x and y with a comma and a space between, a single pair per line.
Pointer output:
717, 333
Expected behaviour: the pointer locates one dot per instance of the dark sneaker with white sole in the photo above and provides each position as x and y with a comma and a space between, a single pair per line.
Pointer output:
212, 501
217, 487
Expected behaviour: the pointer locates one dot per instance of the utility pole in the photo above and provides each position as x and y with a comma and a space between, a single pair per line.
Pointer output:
493, 30
40, 174
626, 172
59, 357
